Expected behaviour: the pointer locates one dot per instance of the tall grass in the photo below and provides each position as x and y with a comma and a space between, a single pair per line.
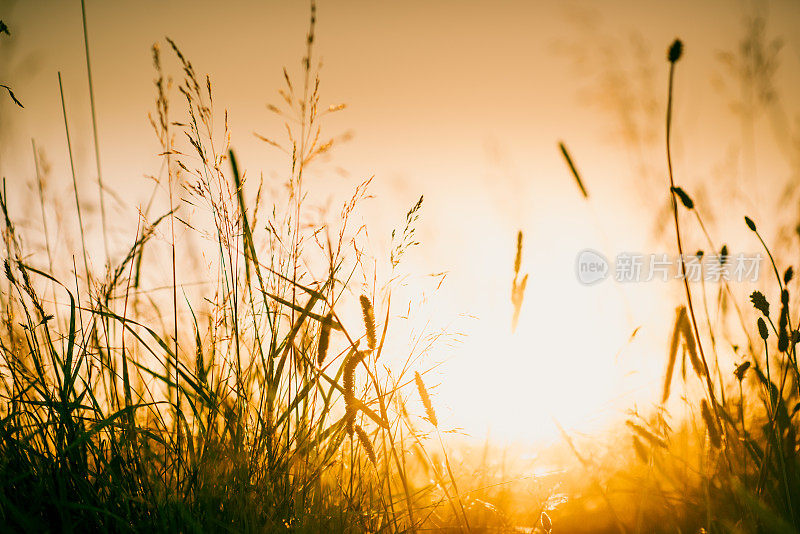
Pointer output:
250, 405
262, 399
729, 462
731, 465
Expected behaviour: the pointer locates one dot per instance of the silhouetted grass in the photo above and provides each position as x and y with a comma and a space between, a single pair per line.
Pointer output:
257, 403
252, 407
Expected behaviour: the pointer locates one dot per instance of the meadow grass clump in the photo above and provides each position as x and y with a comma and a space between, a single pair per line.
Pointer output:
719, 451
262, 398
732, 464
242, 404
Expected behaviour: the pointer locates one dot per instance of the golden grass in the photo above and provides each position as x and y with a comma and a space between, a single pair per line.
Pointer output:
251, 404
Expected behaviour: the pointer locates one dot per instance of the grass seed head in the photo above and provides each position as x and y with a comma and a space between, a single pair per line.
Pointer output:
369, 321
641, 450
687, 202
324, 338
711, 425
691, 347
426, 400
646, 434
783, 323
547, 524
740, 370
675, 51
760, 302
349, 385
366, 443
762, 329
673, 352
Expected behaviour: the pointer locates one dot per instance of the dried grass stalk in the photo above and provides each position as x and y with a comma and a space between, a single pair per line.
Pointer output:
426, 400
369, 321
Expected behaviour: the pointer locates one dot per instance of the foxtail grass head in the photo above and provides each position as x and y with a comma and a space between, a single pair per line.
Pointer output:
711, 425
680, 317
675, 51
649, 436
366, 444
369, 321
324, 338
518, 285
349, 385
426, 400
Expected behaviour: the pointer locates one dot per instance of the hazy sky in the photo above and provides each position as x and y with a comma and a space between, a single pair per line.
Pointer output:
464, 102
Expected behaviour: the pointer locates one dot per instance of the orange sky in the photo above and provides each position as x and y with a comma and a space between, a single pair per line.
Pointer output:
463, 102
